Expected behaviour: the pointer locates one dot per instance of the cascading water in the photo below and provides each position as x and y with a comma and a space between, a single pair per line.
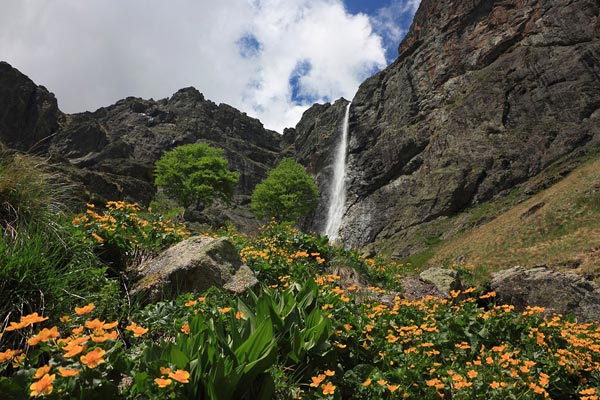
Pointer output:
337, 193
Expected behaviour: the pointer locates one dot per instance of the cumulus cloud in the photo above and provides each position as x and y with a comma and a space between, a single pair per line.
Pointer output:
392, 23
269, 58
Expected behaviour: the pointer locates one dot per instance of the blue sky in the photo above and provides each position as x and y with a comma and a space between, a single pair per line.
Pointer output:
269, 58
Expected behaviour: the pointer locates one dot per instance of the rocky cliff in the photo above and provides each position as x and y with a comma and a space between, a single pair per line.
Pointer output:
112, 150
485, 94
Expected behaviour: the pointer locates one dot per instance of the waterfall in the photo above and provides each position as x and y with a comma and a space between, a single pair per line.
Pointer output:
337, 191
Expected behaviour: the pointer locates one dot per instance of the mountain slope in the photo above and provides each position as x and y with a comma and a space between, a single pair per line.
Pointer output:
558, 226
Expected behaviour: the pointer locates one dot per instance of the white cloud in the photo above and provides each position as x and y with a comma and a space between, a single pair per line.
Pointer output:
390, 21
94, 52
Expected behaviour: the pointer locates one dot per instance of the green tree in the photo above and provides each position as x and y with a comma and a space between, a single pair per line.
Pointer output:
287, 194
195, 173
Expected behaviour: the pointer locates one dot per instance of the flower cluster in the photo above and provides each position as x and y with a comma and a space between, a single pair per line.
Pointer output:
128, 226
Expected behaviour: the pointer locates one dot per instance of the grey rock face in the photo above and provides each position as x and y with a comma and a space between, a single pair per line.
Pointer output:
195, 264
484, 95
560, 293
443, 279
29, 114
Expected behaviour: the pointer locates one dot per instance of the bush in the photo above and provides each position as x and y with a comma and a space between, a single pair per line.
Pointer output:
287, 194
195, 173
123, 231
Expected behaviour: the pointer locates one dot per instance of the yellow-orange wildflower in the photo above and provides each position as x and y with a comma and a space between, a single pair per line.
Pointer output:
162, 383
67, 372
85, 309
328, 388
136, 329
43, 386
186, 328
180, 376
41, 371
44, 335
93, 358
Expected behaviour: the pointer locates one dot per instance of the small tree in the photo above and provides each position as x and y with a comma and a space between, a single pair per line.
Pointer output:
287, 194
195, 173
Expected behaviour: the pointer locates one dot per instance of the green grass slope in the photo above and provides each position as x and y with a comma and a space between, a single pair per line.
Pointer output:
559, 226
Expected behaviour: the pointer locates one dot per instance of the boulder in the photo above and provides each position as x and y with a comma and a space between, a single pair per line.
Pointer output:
195, 264
563, 293
443, 279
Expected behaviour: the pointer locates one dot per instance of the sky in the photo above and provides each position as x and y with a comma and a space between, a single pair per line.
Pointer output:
269, 58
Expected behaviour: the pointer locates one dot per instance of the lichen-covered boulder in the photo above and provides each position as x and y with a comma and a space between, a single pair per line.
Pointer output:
195, 264
563, 293
443, 279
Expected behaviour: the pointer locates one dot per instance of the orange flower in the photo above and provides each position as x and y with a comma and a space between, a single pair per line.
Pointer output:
186, 328
94, 324
43, 386
66, 372
239, 315
180, 376
44, 335
110, 325
8, 355
328, 388
393, 388
472, 374
136, 329
85, 309
98, 238
41, 371
316, 380
78, 330
72, 351
224, 310
93, 358
329, 373
64, 319
382, 382
191, 303
494, 385
162, 383
100, 336
33, 318
165, 370
367, 382
14, 326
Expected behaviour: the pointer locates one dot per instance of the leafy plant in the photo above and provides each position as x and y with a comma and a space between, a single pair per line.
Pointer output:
287, 194
195, 173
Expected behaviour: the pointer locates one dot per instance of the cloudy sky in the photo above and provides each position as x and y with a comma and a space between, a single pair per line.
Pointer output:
269, 58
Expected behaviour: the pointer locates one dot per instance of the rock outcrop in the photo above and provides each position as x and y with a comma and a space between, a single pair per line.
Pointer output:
194, 265
568, 294
484, 95
127, 138
29, 114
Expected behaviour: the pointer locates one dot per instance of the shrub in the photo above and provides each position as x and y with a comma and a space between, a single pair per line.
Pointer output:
195, 173
122, 230
287, 194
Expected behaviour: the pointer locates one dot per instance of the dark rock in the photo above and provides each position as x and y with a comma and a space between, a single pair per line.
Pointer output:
563, 293
535, 208
29, 114
194, 265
